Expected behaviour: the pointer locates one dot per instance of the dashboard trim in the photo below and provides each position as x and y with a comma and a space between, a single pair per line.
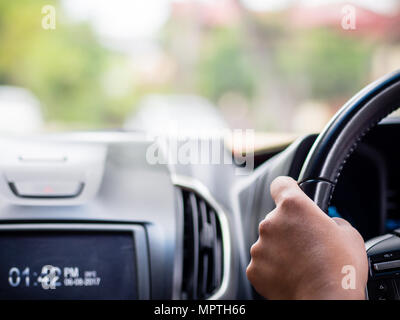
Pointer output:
202, 190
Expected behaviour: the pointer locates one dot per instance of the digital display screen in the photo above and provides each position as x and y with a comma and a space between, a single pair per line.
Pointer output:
67, 265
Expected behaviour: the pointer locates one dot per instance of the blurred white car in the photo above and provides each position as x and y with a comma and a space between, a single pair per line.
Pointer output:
20, 111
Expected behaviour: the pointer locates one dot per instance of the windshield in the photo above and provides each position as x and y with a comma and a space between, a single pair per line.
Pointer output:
272, 66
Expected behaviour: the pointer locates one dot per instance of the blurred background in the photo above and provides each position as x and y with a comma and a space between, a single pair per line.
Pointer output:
276, 66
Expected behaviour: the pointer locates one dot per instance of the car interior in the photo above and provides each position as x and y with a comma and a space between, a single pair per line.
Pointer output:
113, 214
89, 212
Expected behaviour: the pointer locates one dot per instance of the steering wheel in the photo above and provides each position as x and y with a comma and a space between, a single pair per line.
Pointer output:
327, 157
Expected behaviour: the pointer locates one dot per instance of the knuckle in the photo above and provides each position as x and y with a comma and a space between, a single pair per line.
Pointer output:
254, 250
290, 200
264, 226
250, 271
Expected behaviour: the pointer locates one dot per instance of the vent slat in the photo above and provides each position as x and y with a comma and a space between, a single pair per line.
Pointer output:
203, 253
204, 277
215, 281
195, 221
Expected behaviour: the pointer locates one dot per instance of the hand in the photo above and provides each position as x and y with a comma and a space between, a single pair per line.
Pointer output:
301, 252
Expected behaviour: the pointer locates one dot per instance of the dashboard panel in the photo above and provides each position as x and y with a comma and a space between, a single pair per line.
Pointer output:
125, 235
141, 230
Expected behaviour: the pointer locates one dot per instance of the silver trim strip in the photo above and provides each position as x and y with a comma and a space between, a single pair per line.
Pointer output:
370, 243
387, 265
202, 190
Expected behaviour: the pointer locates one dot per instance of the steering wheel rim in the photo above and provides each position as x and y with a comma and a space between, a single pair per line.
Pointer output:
338, 140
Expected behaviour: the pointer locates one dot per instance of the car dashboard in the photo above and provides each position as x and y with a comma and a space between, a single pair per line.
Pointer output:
88, 216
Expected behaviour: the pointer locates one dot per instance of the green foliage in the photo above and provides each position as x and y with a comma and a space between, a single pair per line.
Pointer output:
333, 64
63, 67
224, 66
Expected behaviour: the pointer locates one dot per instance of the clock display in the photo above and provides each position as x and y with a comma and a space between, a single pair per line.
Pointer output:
67, 265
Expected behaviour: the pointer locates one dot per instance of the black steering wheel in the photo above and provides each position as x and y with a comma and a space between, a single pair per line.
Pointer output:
325, 161
327, 157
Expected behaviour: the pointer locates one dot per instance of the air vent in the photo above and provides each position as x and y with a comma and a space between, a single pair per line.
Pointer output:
202, 248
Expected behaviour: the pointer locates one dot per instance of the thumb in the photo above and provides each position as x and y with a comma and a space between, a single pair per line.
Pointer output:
286, 193
285, 188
